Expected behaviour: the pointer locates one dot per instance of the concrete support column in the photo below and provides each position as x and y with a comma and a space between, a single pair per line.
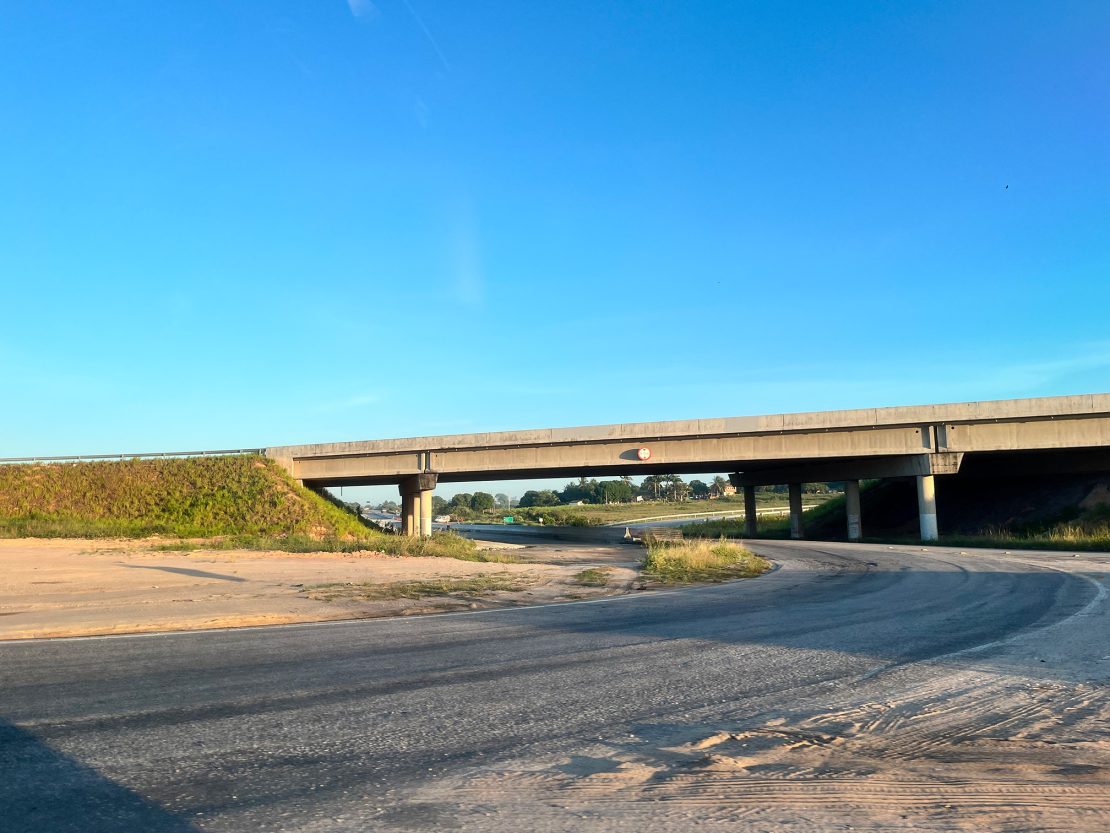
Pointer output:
749, 512
426, 513
416, 512
408, 513
851, 499
796, 511
927, 507
416, 503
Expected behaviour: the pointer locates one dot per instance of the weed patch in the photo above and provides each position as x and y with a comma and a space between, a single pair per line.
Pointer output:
694, 561
1090, 537
441, 545
593, 577
457, 587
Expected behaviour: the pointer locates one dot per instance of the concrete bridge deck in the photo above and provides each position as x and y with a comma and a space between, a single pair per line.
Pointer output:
850, 445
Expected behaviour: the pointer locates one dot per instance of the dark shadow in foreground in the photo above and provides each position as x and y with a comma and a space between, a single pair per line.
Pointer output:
42, 791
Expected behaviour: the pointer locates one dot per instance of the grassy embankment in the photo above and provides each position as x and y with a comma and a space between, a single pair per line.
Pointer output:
1069, 536
697, 561
229, 502
769, 527
1047, 523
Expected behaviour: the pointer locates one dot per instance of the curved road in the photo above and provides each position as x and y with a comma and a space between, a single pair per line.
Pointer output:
655, 711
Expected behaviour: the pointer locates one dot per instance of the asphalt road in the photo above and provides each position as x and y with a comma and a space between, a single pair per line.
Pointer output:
344, 726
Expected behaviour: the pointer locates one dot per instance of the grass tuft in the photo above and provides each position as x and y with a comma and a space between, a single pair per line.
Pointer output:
593, 577
693, 561
488, 557
458, 587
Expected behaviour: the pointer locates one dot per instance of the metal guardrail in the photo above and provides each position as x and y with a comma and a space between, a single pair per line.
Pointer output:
734, 513
652, 535
79, 458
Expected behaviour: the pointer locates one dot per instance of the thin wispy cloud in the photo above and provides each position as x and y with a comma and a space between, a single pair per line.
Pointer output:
468, 281
357, 401
363, 9
421, 111
780, 386
428, 34
1029, 375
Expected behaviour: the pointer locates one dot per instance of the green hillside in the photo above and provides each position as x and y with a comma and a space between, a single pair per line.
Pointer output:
244, 495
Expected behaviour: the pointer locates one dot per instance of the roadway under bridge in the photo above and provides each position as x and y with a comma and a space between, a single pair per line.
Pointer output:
1062, 434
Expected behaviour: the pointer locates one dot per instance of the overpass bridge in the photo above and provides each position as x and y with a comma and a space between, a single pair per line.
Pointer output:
1049, 434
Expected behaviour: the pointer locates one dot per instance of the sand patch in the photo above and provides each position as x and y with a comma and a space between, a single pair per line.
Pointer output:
967, 743
92, 587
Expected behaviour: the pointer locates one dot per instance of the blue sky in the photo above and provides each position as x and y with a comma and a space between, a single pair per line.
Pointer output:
253, 223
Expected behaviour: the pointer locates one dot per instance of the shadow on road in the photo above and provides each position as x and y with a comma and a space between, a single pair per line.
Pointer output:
183, 571
43, 791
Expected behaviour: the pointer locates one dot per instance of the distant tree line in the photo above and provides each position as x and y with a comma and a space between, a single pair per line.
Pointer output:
465, 505
656, 487
462, 505
807, 488
661, 487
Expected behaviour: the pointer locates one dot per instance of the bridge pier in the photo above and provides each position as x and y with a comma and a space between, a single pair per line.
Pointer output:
416, 504
426, 513
750, 514
796, 530
927, 507
851, 500
408, 512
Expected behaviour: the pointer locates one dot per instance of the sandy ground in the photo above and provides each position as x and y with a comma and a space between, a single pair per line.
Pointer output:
84, 588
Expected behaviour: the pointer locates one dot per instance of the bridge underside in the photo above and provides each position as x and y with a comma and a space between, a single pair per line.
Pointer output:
416, 491
775, 472
601, 471
1051, 435
906, 465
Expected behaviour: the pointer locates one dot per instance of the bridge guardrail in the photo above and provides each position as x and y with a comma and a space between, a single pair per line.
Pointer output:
735, 513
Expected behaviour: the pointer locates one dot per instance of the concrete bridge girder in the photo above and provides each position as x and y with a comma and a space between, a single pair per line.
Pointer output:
679, 455
1014, 412
667, 455
873, 468
921, 442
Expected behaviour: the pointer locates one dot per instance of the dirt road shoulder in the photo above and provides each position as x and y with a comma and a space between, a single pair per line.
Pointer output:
86, 587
